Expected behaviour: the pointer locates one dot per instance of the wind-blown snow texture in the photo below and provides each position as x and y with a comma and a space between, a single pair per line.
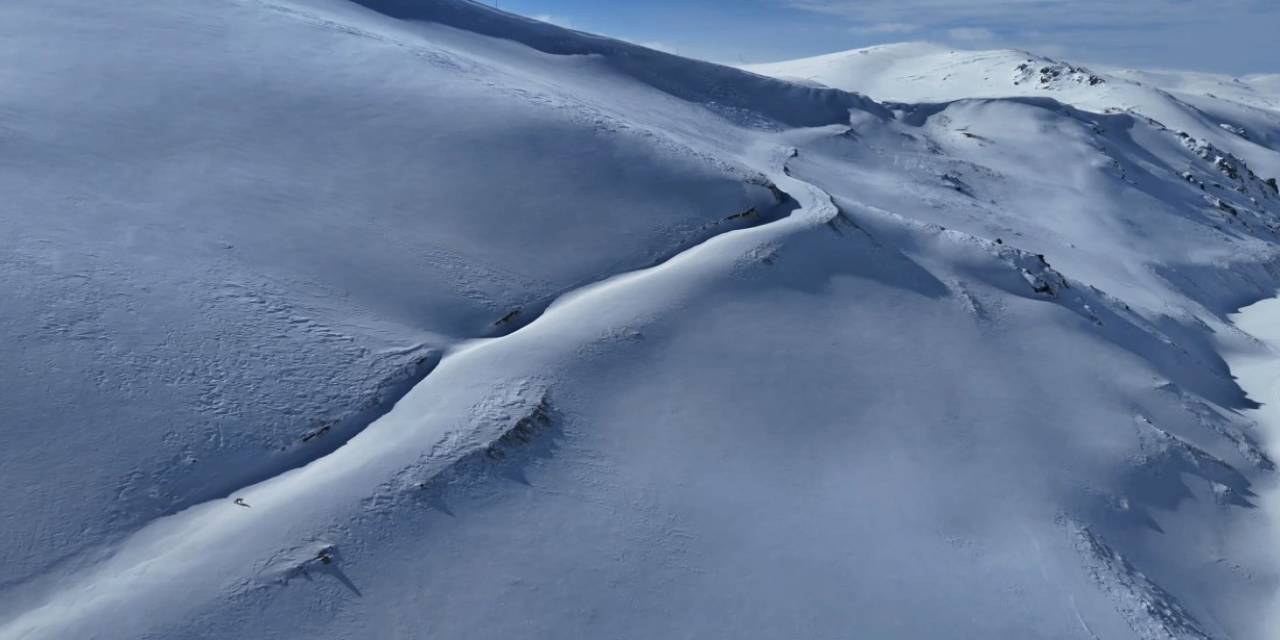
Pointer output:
418, 319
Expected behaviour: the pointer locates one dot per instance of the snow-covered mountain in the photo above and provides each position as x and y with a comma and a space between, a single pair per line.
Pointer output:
417, 319
1241, 115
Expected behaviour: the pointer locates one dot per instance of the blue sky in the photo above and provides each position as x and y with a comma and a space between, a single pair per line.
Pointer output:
1230, 36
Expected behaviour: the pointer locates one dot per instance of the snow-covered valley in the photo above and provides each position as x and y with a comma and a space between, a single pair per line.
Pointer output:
416, 319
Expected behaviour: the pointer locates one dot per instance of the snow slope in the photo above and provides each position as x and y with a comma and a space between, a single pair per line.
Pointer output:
230, 235
1255, 360
674, 349
1241, 116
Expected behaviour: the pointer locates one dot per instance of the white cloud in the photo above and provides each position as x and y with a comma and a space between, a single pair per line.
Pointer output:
970, 34
556, 20
888, 27
1014, 14
658, 45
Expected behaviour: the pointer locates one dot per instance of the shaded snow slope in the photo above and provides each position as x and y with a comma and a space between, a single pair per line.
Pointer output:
232, 226
674, 349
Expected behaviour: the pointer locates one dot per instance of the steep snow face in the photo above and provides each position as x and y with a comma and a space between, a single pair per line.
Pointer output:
1241, 116
674, 350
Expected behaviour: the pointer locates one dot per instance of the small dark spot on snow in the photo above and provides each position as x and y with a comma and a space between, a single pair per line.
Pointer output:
749, 214
507, 319
316, 434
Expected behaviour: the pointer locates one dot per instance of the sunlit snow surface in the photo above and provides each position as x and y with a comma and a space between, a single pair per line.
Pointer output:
675, 350
1256, 364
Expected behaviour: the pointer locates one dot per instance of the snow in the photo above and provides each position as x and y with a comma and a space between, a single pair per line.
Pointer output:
1256, 364
1196, 103
500, 329
234, 278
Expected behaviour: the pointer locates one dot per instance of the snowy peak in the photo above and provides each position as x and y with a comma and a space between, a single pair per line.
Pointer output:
720, 87
1046, 73
1243, 121
899, 71
958, 73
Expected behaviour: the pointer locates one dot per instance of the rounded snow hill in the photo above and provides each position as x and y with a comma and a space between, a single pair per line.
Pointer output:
1243, 119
